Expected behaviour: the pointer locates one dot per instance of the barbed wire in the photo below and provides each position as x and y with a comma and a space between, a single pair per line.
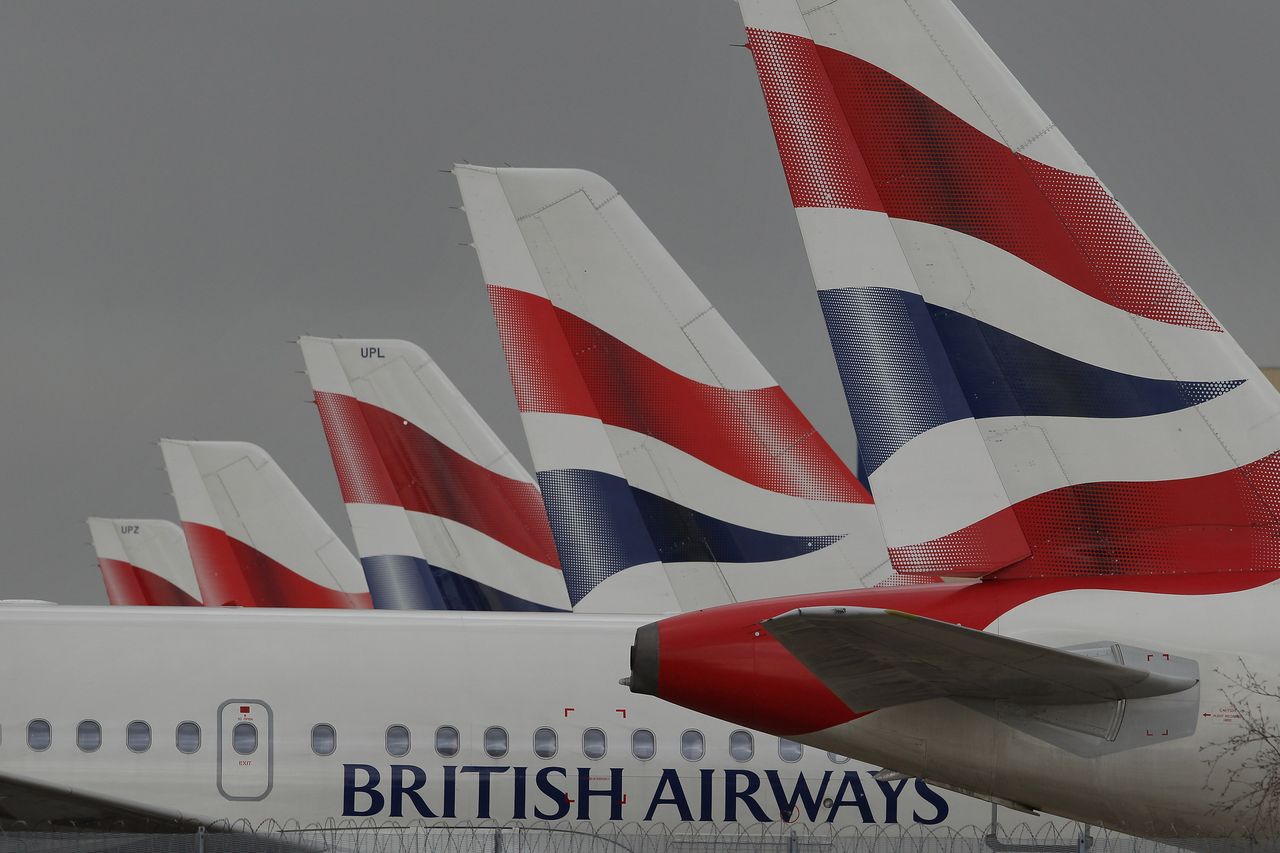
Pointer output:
369, 836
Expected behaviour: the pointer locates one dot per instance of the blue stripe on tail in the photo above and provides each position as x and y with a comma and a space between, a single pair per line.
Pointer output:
908, 366
603, 525
897, 378
400, 582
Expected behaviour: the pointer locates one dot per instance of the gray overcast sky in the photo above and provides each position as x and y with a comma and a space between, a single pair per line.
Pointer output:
184, 187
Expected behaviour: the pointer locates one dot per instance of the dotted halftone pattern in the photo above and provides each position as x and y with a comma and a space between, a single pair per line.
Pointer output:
360, 469
897, 378
378, 454
543, 372
931, 166
597, 527
821, 161
978, 549
1131, 269
757, 435
1218, 522
232, 572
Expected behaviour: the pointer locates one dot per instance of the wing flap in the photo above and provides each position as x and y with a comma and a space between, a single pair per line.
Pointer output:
874, 659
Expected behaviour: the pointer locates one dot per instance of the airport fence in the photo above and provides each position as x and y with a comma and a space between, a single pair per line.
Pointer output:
275, 837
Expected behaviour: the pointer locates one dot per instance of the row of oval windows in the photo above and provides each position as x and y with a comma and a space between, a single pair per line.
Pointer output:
137, 736
448, 741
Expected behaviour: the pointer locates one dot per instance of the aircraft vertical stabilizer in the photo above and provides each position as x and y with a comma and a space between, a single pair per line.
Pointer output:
974, 272
444, 516
738, 494
144, 561
254, 539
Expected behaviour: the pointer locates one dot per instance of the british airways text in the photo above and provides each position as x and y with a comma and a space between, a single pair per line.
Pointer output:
483, 791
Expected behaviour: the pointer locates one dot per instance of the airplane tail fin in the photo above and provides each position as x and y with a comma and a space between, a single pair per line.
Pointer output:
598, 530
254, 539
737, 493
1035, 389
444, 515
144, 561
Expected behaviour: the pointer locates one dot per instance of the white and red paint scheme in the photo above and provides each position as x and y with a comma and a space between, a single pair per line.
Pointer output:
127, 718
444, 516
1042, 405
667, 454
144, 561
254, 539
1035, 389
1153, 767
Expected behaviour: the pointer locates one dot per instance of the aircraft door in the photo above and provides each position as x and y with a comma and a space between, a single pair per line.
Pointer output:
244, 749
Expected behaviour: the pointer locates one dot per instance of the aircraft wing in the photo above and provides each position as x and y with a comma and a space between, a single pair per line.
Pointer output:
24, 803
879, 658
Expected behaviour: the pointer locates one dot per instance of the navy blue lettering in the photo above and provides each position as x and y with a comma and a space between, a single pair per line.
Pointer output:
732, 795
939, 803
483, 786
450, 791
670, 781
399, 791
891, 792
559, 797
801, 792
851, 782
706, 786
586, 792
370, 788
517, 811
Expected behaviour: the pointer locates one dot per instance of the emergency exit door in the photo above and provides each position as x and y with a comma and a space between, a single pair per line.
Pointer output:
244, 749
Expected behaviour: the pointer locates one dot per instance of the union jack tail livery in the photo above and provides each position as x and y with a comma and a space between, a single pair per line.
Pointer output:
144, 561
254, 539
444, 516
644, 409
1035, 390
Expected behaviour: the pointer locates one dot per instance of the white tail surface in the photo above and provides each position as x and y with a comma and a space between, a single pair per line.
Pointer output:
144, 561
444, 515
973, 271
254, 539
737, 493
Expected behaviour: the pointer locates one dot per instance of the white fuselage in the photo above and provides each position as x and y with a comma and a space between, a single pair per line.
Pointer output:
286, 671
1159, 767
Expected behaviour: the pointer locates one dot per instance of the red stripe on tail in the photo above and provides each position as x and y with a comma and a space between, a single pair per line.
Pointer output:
387, 460
757, 435
928, 165
231, 573
1215, 523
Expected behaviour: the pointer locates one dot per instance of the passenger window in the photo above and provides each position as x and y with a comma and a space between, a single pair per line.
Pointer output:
692, 745
838, 759
643, 744
39, 735
545, 743
324, 739
397, 741
88, 736
789, 750
138, 736
447, 741
594, 743
495, 741
244, 738
742, 746
187, 737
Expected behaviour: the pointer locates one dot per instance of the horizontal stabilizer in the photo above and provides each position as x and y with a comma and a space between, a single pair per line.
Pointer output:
874, 658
